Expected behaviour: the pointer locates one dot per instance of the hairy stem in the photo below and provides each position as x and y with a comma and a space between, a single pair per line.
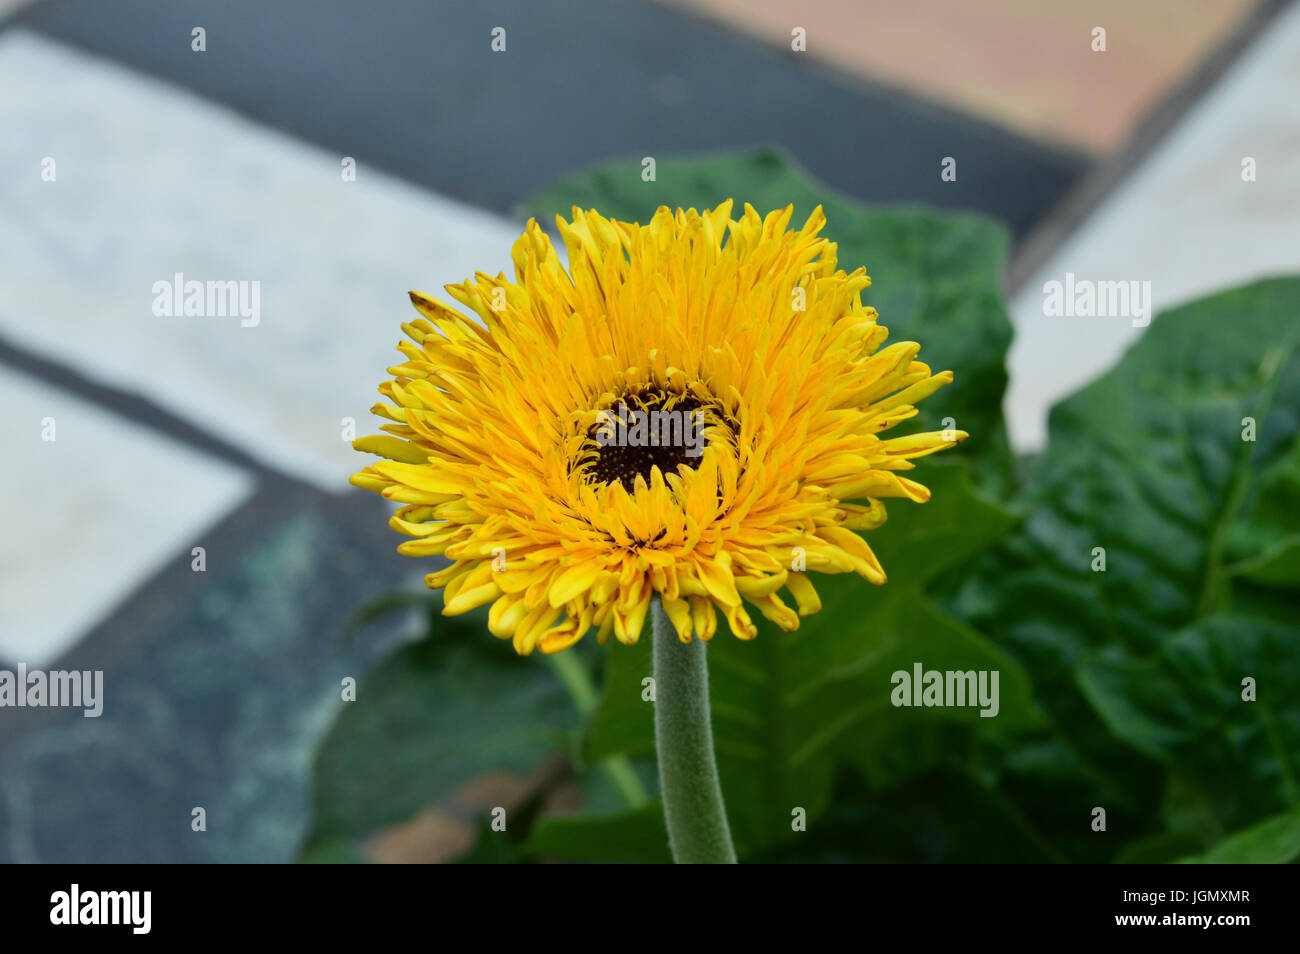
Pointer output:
688, 774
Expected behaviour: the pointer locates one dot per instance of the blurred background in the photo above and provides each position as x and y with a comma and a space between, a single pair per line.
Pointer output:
191, 532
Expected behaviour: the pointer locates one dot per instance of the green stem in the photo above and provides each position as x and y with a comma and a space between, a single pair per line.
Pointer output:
688, 775
577, 680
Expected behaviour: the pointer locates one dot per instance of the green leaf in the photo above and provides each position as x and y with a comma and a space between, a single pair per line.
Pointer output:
623, 722
637, 836
1153, 465
921, 542
433, 717
1274, 841
1279, 566
936, 277
1266, 541
1185, 708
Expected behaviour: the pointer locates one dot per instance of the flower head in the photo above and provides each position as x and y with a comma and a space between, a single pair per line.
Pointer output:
693, 409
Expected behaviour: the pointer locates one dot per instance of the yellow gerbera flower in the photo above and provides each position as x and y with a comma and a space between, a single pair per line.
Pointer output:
523, 444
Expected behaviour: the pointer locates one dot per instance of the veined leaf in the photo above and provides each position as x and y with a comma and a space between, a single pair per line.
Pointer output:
1218, 706
1153, 569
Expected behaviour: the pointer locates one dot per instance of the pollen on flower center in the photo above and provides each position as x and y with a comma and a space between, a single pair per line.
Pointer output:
649, 428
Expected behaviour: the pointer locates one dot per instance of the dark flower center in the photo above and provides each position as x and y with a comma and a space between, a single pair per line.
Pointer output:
649, 428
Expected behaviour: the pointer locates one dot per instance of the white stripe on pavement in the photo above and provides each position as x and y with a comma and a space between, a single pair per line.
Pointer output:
93, 507
152, 182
